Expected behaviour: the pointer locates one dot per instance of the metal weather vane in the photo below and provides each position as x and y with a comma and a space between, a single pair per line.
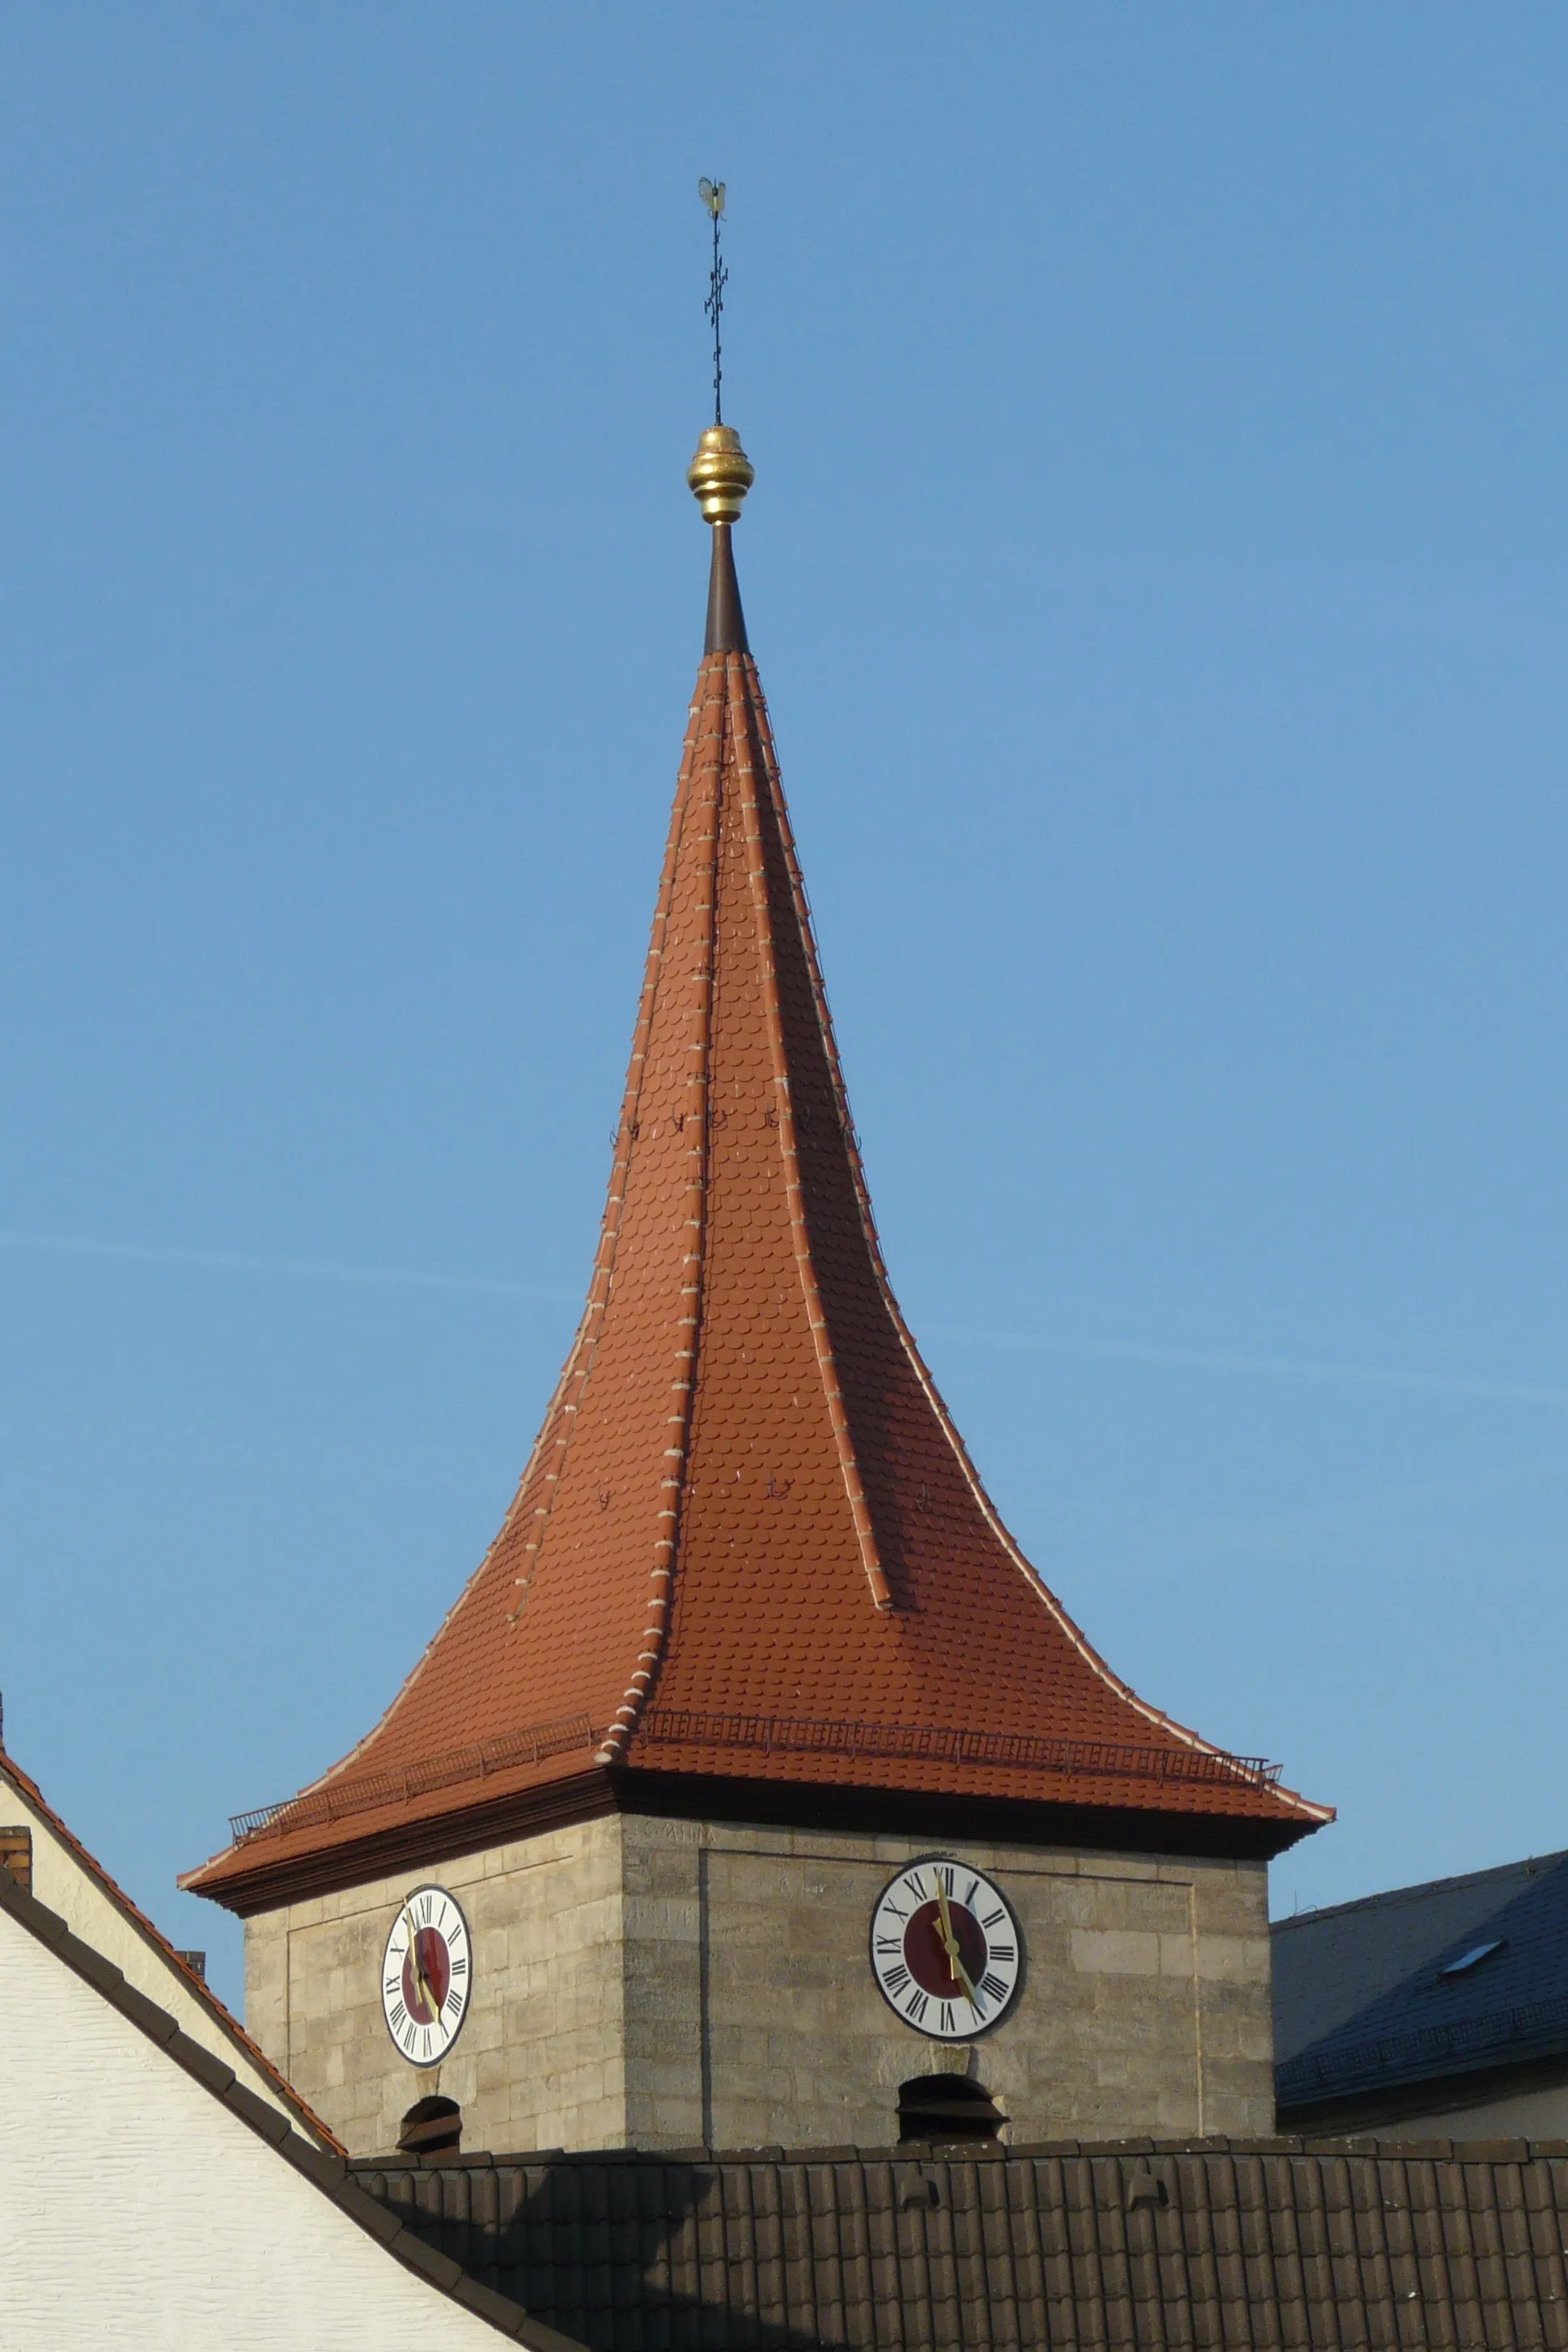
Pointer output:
711, 193
720, 474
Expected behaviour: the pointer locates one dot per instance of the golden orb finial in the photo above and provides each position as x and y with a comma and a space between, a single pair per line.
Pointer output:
720, 474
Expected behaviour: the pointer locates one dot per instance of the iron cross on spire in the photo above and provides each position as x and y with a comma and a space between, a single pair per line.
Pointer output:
712, 195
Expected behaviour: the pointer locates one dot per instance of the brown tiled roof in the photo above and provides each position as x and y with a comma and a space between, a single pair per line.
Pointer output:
748, 1545
1239, 2244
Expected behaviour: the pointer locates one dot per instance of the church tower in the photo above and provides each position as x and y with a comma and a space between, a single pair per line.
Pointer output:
755, 1789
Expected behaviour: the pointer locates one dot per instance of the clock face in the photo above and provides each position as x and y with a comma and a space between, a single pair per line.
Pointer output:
946, 1948
427, 1975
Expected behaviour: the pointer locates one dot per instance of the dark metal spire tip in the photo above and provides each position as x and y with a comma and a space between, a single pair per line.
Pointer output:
726, 621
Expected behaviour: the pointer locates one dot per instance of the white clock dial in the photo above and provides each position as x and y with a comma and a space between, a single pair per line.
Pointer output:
946, 1948
427, 1975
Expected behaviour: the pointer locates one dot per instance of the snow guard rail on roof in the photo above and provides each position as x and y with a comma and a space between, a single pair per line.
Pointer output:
686, 1727
769, 1734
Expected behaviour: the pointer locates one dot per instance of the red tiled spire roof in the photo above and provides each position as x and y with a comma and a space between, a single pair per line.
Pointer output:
748, 1544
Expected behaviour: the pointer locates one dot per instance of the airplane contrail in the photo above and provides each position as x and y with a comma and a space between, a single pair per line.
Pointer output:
304, 1268
1287, 1368
1130, 1352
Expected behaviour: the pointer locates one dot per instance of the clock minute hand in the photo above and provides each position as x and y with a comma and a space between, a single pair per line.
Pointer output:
955, 1960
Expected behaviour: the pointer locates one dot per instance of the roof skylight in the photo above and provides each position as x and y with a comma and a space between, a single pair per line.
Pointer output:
1471, 1957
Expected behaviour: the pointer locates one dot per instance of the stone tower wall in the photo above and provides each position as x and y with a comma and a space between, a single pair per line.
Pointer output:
651, 1983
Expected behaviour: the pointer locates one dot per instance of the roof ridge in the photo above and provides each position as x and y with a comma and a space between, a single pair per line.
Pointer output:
1217, 2145
800, 1232
222, 2015
910, 1347
1395, 1894
327, 2170
574, 1372
696, 1106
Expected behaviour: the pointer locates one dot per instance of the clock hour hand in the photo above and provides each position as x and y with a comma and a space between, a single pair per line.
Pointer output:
420, 1986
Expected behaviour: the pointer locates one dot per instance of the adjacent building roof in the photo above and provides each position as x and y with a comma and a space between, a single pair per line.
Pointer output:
749, 1548
150, 2196
75, 1883
1206, 2243
1459, 1976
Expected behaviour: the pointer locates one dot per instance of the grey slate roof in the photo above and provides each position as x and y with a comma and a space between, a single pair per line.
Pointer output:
1360, 2004
1273, 2243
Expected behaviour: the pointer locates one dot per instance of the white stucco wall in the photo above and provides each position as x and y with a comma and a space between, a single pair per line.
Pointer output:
139, 2211
60, 1882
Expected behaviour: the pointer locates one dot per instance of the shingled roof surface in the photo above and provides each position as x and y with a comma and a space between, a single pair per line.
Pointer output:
1366, 1997
749, 1543
1275, 2243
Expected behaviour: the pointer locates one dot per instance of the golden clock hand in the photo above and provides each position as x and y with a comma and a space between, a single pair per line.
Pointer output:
961, 1974
420, 1986
949, 1940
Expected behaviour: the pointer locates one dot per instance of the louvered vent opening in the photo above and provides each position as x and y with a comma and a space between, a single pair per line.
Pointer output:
16, 1854
947, 2106
431, 2127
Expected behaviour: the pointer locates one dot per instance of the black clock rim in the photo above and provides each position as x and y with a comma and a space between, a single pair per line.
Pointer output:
428, 1886
947, 2041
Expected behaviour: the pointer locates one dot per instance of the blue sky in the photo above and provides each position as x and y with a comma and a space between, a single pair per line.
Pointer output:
1157, 568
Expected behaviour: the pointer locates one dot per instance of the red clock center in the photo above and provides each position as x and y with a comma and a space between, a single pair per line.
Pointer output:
926, 1955
434, 1971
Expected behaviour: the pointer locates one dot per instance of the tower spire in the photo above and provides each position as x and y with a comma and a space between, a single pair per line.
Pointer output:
749, 1562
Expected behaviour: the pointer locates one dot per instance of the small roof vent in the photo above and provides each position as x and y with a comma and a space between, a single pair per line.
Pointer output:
1472, 1957
947, 2106
16, 1854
